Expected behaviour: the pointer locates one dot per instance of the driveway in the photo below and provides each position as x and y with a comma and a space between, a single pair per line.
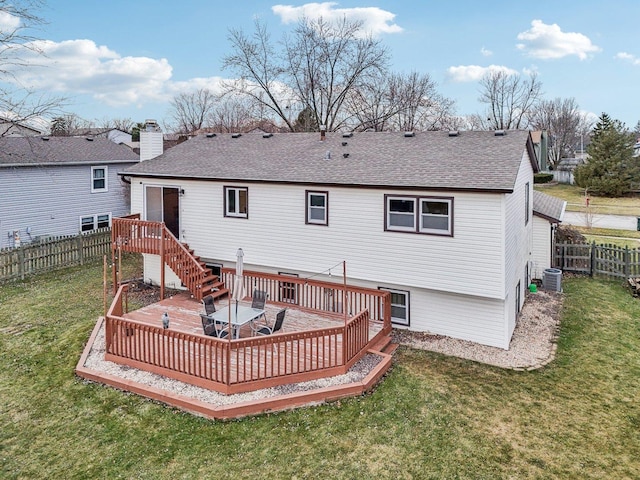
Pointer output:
622, 222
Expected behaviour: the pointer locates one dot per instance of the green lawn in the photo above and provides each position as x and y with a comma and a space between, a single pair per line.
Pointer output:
432, 416
574, 196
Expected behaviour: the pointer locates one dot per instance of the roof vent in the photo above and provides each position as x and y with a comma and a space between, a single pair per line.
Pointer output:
46, 139
89, 139
454, 133
236, 135
327, 155
344, 144
500, 133
211, 135
409, 134
267, 135
345, 155
347, 135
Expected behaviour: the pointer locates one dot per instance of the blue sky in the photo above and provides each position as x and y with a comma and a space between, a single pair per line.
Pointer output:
120, 59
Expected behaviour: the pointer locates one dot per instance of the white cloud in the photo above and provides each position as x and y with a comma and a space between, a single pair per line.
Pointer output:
473, 73
82, 67
375, 20
549, 42
8, 22
485, 52
628, 57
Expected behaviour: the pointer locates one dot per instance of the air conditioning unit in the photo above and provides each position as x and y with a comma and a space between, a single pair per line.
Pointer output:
552, 279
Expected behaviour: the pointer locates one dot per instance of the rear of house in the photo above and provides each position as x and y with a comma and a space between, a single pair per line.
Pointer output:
443, 221
54, 186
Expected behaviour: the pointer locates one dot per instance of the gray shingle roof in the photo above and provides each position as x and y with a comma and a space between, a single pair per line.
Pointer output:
548, 207
472, 160
17, 151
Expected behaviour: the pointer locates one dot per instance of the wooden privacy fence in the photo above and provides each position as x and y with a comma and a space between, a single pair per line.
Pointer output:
597, 259
233, 366
59, 252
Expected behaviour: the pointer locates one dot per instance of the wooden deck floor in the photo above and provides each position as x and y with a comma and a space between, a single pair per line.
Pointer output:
184, 314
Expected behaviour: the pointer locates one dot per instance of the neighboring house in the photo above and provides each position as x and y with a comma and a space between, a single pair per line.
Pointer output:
12, 128
540, 140
564, 171
547, 215
60, 186
443, 220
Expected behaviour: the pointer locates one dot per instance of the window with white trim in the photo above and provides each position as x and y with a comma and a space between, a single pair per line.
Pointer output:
236, 202
99, 179
429, 215
90, 223
435, 215
399, 306
317, 208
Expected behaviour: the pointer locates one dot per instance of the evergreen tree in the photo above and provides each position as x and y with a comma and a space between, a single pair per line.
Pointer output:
611, 169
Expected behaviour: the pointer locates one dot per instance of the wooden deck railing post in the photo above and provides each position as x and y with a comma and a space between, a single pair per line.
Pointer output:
162, 262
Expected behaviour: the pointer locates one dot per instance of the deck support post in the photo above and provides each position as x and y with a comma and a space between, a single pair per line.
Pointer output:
162, 262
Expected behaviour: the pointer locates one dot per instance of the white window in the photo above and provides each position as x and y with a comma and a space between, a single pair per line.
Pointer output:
236, 202
435, 216
430, 215
401, 214
399, 306
317, 207
99, 179
94, 222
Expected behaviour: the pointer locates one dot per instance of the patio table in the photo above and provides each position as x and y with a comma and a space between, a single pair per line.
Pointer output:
240, 315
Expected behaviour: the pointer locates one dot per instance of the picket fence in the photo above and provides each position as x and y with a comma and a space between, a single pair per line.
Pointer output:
597, 259
58, 252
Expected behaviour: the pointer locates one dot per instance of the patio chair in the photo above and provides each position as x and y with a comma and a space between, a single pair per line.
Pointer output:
269, 330
209, 306
259, 299
213, 329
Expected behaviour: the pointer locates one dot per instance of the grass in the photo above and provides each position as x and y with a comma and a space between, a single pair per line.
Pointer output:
432, 417
574, 196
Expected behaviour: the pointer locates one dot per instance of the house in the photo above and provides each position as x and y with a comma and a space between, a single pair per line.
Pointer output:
10, 127
60, 186
114, 134
548, 212
442, 220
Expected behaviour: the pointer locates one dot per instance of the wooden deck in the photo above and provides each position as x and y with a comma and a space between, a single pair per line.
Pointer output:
184, 314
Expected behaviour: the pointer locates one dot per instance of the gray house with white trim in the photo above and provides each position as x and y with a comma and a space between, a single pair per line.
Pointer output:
55, 186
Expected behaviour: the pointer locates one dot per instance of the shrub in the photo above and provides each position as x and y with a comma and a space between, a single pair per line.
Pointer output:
542, 177
568, 234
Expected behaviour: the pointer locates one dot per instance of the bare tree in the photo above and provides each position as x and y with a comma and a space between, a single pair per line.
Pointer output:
320, 65
231, 114
562, 119
19, 105
122, 124
400, 102
509, 98
67, 124
190, 111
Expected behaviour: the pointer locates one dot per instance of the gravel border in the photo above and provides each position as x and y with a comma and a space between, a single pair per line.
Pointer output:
533, 344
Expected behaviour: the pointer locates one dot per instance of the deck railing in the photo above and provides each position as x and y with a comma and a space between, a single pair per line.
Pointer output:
233, 366
131, 234
315, 295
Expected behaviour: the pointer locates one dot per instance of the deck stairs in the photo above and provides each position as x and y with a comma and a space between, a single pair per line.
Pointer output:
134, 235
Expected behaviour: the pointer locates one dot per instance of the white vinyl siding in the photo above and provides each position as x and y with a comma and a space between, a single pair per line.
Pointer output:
518, 238
542, 238
472, 262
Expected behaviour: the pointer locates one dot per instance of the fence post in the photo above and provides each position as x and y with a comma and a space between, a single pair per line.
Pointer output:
79, 246
21, 262
627, 264
593, 258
